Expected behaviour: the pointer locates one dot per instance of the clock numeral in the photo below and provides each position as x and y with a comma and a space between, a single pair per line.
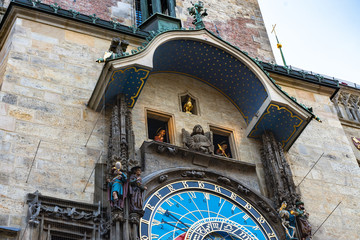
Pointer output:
185, 184
154, 236
233, 209
233, 196
155, 222
207, 196
248, 206
217, 189
160, 210
171, 188
261, 219
150, 207
158, 195
144, 237
192, 194
144, 221
245, 217
201, 184
169, 202
270, 235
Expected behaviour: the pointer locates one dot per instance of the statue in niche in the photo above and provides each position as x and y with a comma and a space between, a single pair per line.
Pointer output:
117, 187
136, 190
188, 106
198, 140
288, 221
302, 219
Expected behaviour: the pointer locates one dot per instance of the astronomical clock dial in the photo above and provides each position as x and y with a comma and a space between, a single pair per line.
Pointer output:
196, 210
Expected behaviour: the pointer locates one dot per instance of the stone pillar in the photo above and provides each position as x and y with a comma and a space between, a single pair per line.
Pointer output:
344, 98
278, 175
336, 104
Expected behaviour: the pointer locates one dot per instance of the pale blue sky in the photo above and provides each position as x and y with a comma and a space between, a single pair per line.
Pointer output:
322, 36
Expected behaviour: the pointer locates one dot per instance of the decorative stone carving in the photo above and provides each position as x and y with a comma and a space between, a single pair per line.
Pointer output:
198, 140
346, 103
243, 189
163, 178
278, 174
193, 174
224, 180
196, 12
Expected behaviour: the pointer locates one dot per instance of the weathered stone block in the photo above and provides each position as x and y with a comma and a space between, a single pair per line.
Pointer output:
8, 98
7, 123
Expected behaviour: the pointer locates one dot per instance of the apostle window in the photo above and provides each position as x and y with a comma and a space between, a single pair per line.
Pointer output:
223, 142
159, 126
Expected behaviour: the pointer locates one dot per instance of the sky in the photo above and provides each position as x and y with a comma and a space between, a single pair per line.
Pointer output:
322, 36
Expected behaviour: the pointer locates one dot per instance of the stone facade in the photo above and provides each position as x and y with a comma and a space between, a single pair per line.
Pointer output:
238, 22
51, 141
48, 75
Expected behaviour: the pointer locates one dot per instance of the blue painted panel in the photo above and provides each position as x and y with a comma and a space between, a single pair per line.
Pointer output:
129, 81
280, 120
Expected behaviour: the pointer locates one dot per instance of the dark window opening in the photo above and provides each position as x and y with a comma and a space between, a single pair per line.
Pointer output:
63, 238
223, 142
149, 7
164, 7
222, 145
155, 127
159, 127
138, 13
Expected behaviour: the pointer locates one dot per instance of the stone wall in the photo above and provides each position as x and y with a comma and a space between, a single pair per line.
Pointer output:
239, 22
335, 178
49, 75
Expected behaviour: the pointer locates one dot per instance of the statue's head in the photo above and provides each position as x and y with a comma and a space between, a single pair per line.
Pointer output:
198, 130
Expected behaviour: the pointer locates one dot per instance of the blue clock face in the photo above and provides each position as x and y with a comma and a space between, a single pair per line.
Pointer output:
197, 210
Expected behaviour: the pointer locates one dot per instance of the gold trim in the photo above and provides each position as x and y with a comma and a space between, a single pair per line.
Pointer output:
141, 79
278, 108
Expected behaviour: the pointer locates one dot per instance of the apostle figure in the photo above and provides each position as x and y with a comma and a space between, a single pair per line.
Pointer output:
160, 135
288, 221
303, 222
198, 140
116, 189
136, 190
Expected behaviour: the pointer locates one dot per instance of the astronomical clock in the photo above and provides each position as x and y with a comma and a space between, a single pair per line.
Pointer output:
201, 210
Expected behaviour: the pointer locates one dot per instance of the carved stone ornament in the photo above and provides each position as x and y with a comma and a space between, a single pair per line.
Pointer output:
198, 140
193, 173
224, 180
243, 189
163, 178
278, 176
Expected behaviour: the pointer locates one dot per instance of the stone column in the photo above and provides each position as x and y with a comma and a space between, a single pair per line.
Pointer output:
278, 174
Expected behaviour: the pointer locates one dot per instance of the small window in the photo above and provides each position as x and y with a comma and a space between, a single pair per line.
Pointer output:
223, 142
159, 126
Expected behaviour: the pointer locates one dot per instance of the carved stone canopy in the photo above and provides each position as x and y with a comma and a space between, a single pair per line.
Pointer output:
263, 105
